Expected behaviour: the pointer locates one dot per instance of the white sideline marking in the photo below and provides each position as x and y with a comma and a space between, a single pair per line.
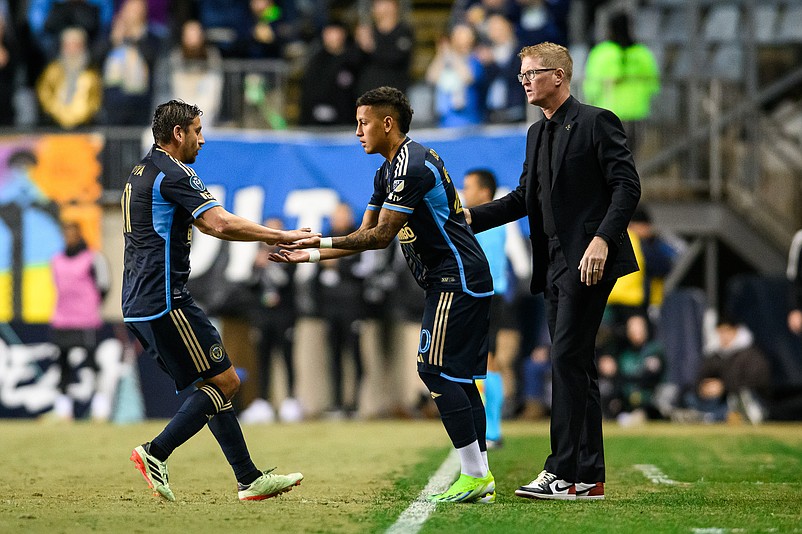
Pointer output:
717, 530
653, 473
412, 519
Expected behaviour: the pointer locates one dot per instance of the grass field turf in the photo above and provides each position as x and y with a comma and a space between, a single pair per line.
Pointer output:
360, 476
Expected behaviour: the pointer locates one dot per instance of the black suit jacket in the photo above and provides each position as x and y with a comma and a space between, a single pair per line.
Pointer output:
595, 192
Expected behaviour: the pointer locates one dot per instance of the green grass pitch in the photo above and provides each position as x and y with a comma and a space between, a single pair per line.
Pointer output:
360, 476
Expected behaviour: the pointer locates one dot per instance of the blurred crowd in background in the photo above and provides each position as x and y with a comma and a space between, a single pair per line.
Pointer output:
82, 63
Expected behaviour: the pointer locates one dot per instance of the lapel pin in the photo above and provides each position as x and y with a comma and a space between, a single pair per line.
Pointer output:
568, 127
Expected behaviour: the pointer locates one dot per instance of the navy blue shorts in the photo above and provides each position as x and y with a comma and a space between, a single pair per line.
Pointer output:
453, 338
184, 343
502, 317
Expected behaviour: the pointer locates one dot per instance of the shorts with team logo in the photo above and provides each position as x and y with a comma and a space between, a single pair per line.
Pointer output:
453, 338
184, 343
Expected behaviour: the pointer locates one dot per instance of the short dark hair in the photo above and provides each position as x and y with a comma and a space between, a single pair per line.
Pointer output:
169, 114
392, 100
487, 179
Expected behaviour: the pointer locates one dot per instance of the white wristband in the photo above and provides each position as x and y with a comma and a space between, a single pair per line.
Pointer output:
314, 256
325, 242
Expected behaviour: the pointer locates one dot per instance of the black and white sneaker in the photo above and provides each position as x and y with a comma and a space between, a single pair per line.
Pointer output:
548, 486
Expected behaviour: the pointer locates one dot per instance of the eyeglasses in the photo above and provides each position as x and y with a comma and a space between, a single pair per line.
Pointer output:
530, 74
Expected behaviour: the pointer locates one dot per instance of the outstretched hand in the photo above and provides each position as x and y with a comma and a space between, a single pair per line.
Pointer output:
292, 236
304, 242
289, 256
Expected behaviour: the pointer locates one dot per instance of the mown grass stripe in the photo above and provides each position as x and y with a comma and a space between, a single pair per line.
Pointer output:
412, 519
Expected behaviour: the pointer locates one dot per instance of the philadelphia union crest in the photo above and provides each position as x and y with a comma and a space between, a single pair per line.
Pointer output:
216, 353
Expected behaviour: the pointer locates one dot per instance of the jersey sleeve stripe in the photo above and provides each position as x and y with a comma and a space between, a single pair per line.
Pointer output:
403, 161
203, 207
396, 207
438, 178
374, 207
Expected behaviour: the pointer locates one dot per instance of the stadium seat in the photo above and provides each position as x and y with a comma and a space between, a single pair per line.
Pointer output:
666, 108
726, 63
668, 3
647, 25
790, 30
683, 66
766, 23
659, 53
722, 24
677, 26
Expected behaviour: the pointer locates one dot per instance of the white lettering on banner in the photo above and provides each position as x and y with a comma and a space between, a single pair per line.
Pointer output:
205, 248
21, 383
309, 206
24, 385
248, 203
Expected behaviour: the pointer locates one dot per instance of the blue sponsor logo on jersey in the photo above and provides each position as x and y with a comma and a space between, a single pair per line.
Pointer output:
197, 183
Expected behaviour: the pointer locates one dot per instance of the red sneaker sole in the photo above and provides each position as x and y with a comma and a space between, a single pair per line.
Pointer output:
140, 466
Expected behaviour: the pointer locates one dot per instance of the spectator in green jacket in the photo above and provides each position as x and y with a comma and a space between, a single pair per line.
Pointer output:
622, 75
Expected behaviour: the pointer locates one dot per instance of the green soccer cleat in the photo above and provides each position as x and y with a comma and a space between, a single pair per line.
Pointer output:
154, 471
268, 485
490, 498
469, 489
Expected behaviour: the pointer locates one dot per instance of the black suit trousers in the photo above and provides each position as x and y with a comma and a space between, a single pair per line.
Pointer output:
574, 313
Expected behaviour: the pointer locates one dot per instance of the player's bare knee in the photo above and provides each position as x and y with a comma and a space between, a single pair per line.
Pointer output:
231, 384
228, 381
234, 385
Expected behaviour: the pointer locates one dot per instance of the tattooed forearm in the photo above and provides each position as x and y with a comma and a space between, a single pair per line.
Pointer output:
374, 238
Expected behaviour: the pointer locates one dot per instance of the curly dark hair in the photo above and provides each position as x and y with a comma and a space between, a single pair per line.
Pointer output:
169, 114
393, 101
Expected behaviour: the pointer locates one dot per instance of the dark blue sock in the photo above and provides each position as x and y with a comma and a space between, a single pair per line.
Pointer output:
227, 432
454, 407
190, 418
478, 413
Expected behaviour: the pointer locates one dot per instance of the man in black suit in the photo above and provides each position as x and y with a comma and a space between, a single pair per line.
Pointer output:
579, 188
